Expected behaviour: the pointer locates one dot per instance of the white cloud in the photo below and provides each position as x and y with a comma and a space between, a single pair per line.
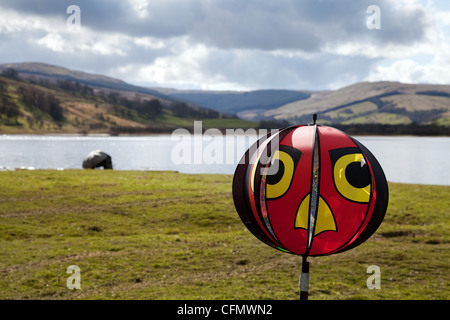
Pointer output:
149, 42
425, 62
443, 18
435, 71
235, 44
182, 69
52, 41
407, 71
83, 40
56, 36
14, 22
140, 7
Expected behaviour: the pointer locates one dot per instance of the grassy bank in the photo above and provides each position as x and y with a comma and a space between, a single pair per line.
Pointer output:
164, 235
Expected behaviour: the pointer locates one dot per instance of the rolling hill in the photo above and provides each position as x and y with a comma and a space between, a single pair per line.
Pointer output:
37, 98
234, 102
101, 104
390, 103
52, 73
364, 103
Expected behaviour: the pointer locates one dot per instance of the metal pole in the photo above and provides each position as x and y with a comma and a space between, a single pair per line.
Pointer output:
304, 280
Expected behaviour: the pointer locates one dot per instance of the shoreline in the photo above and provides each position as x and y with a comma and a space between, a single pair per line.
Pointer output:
106, 135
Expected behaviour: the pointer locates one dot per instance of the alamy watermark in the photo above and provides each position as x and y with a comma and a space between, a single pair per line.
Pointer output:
374, 20
213, 147
373, 281
73, 22
74, 281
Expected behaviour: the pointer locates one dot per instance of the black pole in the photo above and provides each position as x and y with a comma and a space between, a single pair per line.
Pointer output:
304, 279
314, 118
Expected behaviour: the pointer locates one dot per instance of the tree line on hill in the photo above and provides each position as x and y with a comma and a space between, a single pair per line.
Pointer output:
43, 105
371, 129
9, 111
143, 108
35, 99
40, 103
401, 129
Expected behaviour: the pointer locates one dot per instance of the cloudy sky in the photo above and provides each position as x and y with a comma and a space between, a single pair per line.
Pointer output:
234, 44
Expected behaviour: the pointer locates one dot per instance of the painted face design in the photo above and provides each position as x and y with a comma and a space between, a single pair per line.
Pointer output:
310, 190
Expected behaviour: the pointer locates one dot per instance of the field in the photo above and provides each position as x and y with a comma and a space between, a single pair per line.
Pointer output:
165, 235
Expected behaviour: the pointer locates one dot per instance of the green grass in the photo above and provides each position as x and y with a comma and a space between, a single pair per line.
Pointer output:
353, 111
380, 118
443, 121
165, 235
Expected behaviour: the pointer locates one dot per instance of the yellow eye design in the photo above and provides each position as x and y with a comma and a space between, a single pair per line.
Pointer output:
351, 174
284, 161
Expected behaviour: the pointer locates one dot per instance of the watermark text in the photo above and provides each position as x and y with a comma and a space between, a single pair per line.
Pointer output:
74, 281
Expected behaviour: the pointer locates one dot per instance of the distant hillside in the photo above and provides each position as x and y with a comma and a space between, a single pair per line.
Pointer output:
234, 102
384, 103
378, 103
47, 98
35, 70
63, 106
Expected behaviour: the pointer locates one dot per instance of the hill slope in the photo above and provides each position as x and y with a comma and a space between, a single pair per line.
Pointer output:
63, 106
234, 102
372, 103
52, 73
378, 103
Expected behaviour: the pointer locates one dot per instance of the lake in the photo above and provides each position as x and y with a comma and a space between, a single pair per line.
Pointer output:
405, 159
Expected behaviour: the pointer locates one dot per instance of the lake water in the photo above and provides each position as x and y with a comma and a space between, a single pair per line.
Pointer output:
406, 159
